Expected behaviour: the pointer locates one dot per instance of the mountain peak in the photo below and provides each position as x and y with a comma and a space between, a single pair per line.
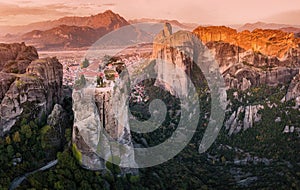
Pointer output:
263, 25
109, 12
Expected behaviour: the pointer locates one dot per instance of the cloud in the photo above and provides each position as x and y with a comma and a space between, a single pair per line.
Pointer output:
108, 4
15, 10
3, 20
57, 6
24, 2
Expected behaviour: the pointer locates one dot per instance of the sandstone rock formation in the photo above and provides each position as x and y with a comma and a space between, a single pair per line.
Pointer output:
247, 59
16, 57
99, 127
179, 51
53, 138
243, 118
184, 64
268, 42
6, 80
293, 92
32, 94
56, 119
294, 89
243, 77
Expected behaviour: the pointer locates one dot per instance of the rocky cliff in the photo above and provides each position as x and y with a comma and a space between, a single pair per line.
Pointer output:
242, 76
16, 57
31, 94
242, 67
174, 53
293, 92
243, 118
268, 42
100, 126
247, 59
253, 59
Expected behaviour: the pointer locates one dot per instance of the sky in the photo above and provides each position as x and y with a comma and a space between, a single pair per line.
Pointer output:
214, 12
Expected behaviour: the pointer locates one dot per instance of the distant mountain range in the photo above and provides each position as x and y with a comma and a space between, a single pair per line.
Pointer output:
73, 32
81, 32
274, 26
63, 36
174, 23
108, 20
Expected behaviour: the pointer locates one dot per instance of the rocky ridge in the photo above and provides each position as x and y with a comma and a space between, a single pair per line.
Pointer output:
241, 68
107, 20
16, 57
268, 42
263, 25
248, 59
31, 94
180, 50
243, 118
70, 32
63, 36
293, 92
174, 23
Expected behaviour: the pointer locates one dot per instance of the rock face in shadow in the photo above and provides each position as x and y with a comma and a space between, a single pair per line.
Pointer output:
294, 89
31, 94
54, 138
293, 92
243, 77
6, 80
16, 57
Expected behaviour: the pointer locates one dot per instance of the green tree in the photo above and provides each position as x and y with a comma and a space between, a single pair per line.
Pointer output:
43, 120
10, 150
85, 185
26, 131
8, 140
68, 135
59, 185
80, 83
98, 80
16, 137
24, 121
85, 63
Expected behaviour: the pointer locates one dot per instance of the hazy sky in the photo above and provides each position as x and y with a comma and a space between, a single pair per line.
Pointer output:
217, 12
